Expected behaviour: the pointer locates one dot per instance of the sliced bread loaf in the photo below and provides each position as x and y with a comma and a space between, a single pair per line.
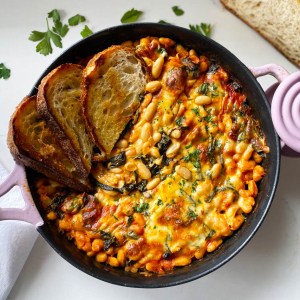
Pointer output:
33, 143
112, 84
277, 20
59, 104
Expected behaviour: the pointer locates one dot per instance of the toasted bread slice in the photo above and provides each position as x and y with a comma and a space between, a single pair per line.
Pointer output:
113, 81
33, 143
58, 102
277, 21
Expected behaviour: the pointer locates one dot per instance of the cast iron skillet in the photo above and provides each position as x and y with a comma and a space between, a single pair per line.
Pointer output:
261, 109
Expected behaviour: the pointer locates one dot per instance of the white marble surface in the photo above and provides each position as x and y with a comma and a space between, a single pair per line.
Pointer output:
269, 266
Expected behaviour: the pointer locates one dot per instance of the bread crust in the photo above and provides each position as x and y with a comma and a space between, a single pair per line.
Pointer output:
108, 84
50, 166
46, 110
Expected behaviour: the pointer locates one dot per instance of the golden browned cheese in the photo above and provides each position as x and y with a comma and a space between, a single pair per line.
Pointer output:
181, 179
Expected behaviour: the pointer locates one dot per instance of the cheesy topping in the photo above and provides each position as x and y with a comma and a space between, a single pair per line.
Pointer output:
181, 178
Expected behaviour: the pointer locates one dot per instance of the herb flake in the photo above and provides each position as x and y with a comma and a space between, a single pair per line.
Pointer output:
4, 71
177, 10
131, 16
75, 20
86, 31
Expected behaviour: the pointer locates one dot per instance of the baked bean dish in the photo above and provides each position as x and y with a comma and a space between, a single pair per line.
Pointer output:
182, 177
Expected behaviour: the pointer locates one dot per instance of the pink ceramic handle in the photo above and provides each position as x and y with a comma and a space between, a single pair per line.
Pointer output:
29, 212
285, 109
271, 69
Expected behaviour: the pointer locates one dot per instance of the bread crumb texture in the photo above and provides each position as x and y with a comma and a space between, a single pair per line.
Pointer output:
276, 20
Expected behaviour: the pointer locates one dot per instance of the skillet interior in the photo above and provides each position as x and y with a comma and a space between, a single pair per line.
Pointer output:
261, 109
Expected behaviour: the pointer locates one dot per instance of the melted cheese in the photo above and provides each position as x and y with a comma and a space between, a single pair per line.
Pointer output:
192, 159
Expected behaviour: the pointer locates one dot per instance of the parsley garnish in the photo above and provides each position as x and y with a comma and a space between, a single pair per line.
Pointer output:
86, 31
55, 34
196, 111
177, 11
179, 121
75, 20
131, 16
141, 208
159, 202
202, 28
192, 215
203, 88
210, 234
4, 71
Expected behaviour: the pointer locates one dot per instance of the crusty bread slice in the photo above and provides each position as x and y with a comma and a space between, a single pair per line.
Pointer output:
276, 20
113, 81
58, 102
33, 143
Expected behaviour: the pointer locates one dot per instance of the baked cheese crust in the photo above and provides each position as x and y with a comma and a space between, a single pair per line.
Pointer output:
181, 178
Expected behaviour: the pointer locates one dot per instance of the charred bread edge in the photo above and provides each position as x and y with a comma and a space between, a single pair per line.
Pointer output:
38, 166
45, 111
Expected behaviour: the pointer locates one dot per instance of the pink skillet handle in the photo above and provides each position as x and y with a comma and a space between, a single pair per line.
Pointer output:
284, 97
271, 69
29, 212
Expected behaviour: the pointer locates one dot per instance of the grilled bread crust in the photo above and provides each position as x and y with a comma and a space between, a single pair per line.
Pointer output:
112, 83
58, 102
34, 144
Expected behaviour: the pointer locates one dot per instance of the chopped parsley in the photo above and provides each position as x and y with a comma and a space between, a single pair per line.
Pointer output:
196, 111
141, 208
159, 202
179, 121
191, 214
4, 71
177, 10
203, 88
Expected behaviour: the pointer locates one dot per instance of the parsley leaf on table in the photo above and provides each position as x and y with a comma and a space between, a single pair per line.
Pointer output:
177, 10
131, 16
4, 71
86, 31
44, 46
203, 28
75, 20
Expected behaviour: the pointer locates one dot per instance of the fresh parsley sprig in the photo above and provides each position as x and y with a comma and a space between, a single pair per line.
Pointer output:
202, 28
4, 71
58, 31
44, 38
